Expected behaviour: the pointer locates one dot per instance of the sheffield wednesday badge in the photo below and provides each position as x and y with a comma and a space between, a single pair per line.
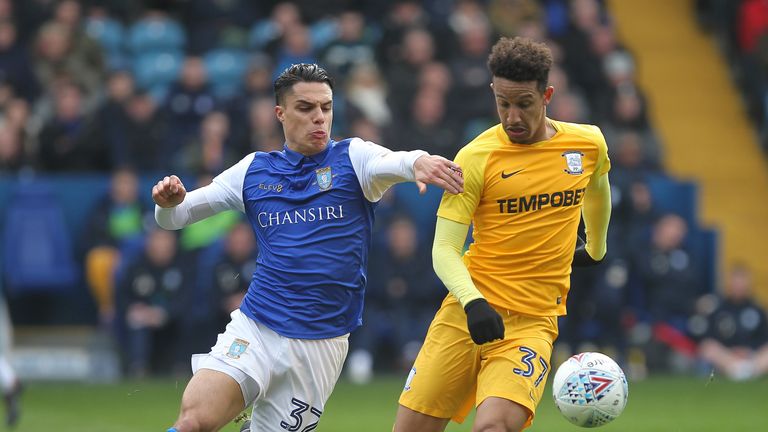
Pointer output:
324, 178
237, 348
573, 162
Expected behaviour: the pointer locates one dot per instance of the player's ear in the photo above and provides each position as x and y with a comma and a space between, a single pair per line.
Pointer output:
279, 113
548, 92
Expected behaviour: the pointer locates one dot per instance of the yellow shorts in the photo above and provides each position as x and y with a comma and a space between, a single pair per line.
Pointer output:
451, 373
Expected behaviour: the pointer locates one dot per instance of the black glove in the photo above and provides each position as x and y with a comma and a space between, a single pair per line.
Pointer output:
483, 322
581, 257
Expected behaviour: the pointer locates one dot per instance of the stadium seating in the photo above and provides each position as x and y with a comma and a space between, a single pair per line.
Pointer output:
37, 247
155, 71
156, 35
705, 244
674, 196
110, 34
225, 68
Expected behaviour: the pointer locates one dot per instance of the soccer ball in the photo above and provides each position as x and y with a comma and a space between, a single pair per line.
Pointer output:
590, 389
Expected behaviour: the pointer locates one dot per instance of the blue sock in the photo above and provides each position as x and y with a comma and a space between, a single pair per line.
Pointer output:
172, 430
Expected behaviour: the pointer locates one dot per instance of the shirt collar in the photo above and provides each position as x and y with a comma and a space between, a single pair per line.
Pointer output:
296, 158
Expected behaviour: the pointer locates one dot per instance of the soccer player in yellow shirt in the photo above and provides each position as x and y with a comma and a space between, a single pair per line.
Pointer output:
527, 183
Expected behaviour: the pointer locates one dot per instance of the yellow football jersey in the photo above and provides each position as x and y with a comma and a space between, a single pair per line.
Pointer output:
524, 202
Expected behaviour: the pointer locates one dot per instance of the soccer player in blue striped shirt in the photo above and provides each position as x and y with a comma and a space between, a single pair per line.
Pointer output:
312, 210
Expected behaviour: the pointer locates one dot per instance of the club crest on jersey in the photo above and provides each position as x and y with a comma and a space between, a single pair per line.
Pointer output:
237, 348
573, 162
324, 178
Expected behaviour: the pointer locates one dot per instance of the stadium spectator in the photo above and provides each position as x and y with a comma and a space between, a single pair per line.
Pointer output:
211, 152
111, 118
216, 23
267, 33
366, 93
471, 77
669, 274
295, 47
466, 15
401, 296
402, 17
262, 130
416, 50
15, 65
584, 65
735, 337
15, 137
508, 16
11, 150
670, 284
257, 84
119, 217
149, 296
146, 133
427, 127
436, 76
69, 13
352, 47
233, 272
188, 101
68, 142
222, 275
56, 59
311, 208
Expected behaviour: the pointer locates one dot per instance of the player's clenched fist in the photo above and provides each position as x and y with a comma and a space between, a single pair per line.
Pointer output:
169, 192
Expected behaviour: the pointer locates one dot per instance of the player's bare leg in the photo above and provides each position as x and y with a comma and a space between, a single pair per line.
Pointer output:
500, 415
211, 400
408, 420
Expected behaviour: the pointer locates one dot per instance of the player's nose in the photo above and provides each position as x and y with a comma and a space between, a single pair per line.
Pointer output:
513, 117
318, 116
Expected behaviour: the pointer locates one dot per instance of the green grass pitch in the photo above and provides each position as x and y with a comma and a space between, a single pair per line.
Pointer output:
666, 404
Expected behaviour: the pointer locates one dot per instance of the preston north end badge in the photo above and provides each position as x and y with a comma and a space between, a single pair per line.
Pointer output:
573, 163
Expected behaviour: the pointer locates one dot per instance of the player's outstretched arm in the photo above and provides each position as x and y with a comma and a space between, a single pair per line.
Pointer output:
175, 208
483, 322
597, 214
438, 171
379, 168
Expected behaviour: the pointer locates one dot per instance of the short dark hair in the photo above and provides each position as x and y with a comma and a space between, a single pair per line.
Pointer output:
521, 59
301, 72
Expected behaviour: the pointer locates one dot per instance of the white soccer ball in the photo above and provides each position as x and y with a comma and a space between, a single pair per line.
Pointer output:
590, 389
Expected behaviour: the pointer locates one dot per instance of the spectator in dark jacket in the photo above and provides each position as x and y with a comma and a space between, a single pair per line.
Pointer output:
736, 335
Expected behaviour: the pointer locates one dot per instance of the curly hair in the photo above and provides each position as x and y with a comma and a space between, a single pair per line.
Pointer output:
521, 59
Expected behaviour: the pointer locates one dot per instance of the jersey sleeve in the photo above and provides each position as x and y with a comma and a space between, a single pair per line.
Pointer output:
228, 191
461, 208
224, 193
446, 260
603, 162
378, 168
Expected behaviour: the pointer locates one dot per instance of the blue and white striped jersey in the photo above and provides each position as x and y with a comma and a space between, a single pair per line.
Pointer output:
312, 216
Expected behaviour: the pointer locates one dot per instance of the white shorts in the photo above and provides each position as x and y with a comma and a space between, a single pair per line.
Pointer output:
287, 380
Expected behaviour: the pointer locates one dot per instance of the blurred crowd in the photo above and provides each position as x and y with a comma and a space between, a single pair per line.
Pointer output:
130, 90
741, 30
